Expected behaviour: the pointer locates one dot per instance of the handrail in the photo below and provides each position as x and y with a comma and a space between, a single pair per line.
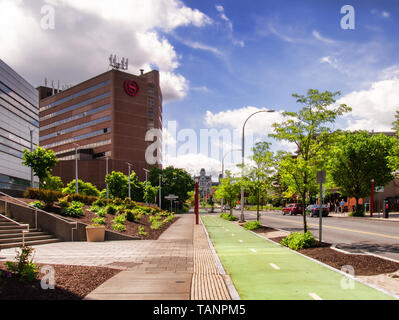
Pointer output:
33, 207
21, 225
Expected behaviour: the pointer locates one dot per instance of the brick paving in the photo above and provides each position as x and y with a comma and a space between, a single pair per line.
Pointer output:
178, 266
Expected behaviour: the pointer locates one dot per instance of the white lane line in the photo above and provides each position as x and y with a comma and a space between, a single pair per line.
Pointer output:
315, 296
253, 250
275, 266
240, 240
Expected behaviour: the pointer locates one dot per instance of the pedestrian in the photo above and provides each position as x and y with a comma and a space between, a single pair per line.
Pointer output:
342, 205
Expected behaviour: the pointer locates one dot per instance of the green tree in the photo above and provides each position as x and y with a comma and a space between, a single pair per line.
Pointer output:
259, 174
52, 183
174, 181
118, 186
84, 188
41, 161
150, 192
228, 190
359, 157
308, 129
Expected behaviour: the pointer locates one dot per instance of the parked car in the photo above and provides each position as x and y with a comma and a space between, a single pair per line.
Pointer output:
313, 210
293, 209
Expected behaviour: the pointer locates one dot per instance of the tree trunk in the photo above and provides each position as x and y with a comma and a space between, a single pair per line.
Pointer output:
257, 207
305, 227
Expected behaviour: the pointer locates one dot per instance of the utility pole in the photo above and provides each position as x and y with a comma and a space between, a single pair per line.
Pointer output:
196, 202
321, 178
106, 173
76, 167
160, 198
371, 198
129, 193
31, 150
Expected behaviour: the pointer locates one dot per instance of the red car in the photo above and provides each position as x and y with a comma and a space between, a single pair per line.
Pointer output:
293, 209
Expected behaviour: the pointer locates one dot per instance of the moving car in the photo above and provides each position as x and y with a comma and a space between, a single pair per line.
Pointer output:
293, 209
313, 210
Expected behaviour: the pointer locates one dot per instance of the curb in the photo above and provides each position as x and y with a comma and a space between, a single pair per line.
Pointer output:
229, 283
363, 254
333, 269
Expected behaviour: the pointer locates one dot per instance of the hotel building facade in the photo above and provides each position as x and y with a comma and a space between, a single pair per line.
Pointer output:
107, 116
19, 129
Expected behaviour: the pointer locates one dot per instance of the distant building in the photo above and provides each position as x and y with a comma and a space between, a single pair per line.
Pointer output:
19, 117
205, 183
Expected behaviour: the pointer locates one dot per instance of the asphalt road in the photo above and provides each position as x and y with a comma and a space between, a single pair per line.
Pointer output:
351, 234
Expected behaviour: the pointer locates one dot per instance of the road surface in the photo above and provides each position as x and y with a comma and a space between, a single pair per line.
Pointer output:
351, 234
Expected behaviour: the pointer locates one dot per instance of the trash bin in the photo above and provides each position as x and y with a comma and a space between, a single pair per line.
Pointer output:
386, 210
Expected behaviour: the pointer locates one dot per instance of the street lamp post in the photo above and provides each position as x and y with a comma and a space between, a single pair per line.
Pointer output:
129, 166
242, 218
106, 173
196, 205
31, 150
146, 178
76, 167
371, 198
160, 199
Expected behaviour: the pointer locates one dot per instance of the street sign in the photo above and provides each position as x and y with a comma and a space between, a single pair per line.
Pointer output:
171, 197
321, 176
379, 189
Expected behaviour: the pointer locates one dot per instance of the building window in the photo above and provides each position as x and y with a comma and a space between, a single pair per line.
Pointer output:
151, 102
151, 92
150, 113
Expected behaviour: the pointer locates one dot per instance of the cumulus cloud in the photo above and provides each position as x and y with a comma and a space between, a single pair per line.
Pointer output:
374, 108
87, 32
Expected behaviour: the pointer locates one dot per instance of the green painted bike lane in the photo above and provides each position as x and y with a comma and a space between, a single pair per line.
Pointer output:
262, 270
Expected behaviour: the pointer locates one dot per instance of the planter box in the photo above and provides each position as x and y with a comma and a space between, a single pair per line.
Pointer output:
95, 234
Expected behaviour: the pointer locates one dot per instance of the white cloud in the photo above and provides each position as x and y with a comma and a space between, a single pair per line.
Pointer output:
374, 108
87, 32
383, 14
318, 36
223, 16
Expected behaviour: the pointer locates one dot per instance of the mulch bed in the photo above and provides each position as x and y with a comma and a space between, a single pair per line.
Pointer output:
364, 265
132, 228
264, 230
71, 283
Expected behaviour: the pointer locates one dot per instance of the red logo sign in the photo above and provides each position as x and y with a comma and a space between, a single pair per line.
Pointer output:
131, 88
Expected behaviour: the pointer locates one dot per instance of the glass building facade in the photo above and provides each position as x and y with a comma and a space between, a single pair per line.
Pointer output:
19, 116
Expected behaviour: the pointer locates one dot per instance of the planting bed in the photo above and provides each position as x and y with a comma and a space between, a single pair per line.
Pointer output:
71, 283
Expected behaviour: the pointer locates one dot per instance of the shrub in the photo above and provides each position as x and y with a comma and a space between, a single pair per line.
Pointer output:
111, 209
100, 203
63, 202
84, 188
32, 193
228, 216
100, 221
37, 204
49, 197
102, 212
74, 210
252, 225
25, 269
119, 227
130, 215
154, 218
120, 219
297, 240
156, 224
169, 218
142, 231
52, 183
94, 208
82, 198
356, 214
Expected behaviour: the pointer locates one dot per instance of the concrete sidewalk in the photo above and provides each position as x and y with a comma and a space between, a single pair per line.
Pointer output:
180, 266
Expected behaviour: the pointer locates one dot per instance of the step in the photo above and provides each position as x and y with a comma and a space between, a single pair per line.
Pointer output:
7, 223
17, 239
19, 234
16, 231
14, 226
28, 243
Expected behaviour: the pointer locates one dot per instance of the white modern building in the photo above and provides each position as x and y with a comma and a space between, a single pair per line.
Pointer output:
19, 128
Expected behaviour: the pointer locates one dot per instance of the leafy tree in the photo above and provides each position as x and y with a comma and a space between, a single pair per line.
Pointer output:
52, 183
228, 190
150, 192
174, 181
308, 129
41, 161
118, 186
358, 158
258, 177
84, 188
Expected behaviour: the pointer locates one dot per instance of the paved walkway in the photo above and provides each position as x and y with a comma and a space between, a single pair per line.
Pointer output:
178, 266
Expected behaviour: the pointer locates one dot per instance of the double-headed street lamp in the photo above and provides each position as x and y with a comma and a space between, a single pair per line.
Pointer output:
31, 150
76, 167
242, 218
129, 166
224, 156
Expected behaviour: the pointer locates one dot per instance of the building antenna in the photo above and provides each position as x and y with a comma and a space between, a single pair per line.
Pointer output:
45, 81
115, 64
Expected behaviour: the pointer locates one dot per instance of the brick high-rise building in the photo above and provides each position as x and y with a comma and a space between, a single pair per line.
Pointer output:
105, 116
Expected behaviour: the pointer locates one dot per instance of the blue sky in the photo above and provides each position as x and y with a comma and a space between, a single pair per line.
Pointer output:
219, 60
